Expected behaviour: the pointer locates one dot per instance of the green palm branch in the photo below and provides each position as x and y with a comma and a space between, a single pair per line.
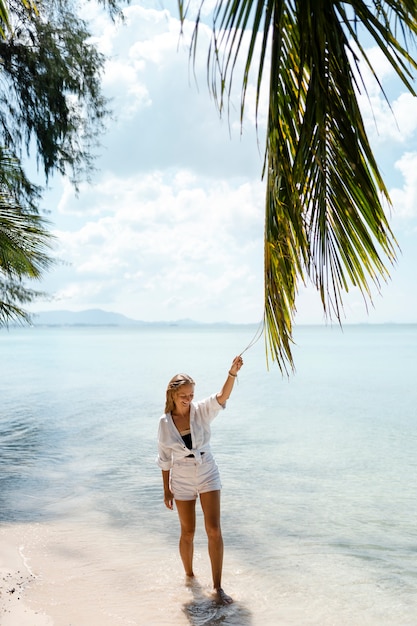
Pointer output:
24, 241
324, 220
4, 18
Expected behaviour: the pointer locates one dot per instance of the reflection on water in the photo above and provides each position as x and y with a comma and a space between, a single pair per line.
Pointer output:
21, 446
20, 442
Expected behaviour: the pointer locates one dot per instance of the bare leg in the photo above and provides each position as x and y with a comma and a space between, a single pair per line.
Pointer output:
210, 503
186, 513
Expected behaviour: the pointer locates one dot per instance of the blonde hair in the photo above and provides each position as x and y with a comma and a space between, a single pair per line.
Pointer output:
173, 386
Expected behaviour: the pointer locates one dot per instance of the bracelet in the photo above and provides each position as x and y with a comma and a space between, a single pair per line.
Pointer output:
233, 375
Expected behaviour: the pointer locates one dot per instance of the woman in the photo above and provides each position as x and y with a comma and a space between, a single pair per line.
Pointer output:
189, 469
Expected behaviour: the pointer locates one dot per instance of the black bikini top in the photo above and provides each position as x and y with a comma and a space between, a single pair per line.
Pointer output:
186, 437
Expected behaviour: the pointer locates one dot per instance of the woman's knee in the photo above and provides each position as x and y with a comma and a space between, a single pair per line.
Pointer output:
187, 533
214, 531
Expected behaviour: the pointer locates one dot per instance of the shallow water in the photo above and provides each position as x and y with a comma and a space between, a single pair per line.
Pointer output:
319, 475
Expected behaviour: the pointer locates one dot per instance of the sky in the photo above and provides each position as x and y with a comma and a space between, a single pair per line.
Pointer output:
171, 226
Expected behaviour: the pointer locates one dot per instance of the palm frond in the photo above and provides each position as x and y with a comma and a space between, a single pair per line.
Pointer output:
25, 241
325, 218
4, 19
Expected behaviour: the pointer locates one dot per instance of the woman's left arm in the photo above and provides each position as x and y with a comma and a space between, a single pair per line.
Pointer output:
227, 388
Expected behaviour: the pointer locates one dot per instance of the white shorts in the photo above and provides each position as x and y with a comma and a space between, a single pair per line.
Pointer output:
189, 478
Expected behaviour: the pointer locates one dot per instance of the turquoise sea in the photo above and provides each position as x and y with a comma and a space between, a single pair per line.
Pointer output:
319, 472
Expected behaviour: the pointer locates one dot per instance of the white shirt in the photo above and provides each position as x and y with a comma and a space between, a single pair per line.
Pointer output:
171, 446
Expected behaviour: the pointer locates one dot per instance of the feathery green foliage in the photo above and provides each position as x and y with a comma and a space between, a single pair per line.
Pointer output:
326, 201
50, 104
51, 94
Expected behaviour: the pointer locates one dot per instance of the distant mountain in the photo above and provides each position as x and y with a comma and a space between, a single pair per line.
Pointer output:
95, 317
90, 317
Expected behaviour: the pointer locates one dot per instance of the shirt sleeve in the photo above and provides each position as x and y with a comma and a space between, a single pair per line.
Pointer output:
209, 408
164, 458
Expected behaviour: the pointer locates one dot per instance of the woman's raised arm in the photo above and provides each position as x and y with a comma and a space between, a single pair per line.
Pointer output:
227, 388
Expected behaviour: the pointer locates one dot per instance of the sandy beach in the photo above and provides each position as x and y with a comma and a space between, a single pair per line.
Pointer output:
67, 573
64, 574
76, 574
16, 577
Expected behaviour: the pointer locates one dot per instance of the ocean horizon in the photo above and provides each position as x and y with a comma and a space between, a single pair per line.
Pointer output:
98, 317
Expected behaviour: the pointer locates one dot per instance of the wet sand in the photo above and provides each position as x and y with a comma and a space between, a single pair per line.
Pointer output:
87, 573
72, 574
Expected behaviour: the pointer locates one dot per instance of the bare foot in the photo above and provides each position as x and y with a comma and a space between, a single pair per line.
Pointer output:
190, 581
222, 597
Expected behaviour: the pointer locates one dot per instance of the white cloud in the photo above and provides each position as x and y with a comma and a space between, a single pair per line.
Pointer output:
389, 122
164, 116
390, 112
405, 199
168, 239
122, 86
405, 112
